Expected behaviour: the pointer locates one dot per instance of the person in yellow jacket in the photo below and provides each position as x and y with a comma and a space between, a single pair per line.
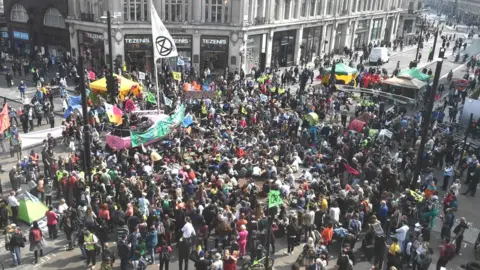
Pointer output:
90, 241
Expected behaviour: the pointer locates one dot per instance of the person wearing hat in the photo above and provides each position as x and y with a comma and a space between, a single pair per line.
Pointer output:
14, 241
217, 262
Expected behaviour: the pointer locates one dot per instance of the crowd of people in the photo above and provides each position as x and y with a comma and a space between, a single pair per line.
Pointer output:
203, 189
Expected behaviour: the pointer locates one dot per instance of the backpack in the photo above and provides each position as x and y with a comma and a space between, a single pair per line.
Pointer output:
164, 254
449, 251
354, 225
37, 236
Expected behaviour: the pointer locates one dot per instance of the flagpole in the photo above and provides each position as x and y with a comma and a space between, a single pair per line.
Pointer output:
158, 90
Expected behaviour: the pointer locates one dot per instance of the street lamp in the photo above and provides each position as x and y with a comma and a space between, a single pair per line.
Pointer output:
110, 78
426, 115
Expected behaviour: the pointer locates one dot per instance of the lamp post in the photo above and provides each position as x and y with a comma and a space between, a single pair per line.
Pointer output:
86, 126
110, 78
427, 115
420, 39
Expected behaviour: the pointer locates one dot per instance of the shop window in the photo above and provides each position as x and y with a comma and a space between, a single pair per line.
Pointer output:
18, 14
54, 18
135, 10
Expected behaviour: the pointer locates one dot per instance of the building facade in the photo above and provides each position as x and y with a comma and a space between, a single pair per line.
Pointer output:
233, 33
37, 26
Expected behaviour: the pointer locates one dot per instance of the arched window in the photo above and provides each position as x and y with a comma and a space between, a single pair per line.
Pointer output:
54, 18
18, 14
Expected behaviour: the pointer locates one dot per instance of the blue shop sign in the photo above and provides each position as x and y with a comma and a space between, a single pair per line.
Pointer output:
4, 34
21, 35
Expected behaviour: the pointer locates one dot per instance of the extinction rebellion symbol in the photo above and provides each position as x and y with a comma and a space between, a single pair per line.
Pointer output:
164, 46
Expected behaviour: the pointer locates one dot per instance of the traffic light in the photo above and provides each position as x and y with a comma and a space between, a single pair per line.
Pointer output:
110, 84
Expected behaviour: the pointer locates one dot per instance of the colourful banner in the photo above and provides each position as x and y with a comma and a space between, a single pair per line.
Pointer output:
160, 129
4, 119
274, 198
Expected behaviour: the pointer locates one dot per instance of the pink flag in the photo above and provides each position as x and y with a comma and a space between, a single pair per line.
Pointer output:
350, 169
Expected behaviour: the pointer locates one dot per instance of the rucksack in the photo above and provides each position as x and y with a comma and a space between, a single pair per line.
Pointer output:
164, 254
449, 251
37, 236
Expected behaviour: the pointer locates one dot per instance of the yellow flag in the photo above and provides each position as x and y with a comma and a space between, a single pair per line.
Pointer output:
281, 91
177, 76
244, 111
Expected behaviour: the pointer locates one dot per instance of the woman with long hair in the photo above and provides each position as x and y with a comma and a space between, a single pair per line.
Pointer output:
36, 241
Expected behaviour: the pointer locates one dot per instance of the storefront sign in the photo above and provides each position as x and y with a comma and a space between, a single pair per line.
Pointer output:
138, 40
177, 30
214, 43
183, 42
4, 34
93, 36
21, 35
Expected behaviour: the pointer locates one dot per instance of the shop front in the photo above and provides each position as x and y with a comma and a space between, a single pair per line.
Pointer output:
311, 43
253, 52
183, 61
4, 41
139, 52
57, 43
361, 35
21, 42
214, 54
94, 45
283, 48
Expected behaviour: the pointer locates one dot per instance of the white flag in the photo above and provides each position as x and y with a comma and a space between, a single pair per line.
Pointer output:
167, 101
163, 43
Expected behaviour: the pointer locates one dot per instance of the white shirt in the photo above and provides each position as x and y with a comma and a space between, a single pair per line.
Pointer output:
62, 208
402, 233
12, 201
335, 213
188, 230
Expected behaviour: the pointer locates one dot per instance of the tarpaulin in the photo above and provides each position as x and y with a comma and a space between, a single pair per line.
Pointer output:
356, 125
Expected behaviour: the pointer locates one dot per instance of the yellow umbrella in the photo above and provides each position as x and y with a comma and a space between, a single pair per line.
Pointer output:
126, 85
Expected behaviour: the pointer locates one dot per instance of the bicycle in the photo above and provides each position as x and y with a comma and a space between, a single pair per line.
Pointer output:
258, 264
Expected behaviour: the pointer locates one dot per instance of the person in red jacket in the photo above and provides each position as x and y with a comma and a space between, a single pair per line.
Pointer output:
229, 262
51, 222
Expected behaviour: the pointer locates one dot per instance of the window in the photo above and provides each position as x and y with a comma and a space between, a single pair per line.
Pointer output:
312, 7
376, 29
329, 7
294, 9
216, 11
54, 18
135, 10
319, 7
286, 14
18, 14
174, 11
374, 6
303, 8
276, 9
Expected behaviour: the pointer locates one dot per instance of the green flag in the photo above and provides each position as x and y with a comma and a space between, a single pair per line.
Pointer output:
151, 98
274, 198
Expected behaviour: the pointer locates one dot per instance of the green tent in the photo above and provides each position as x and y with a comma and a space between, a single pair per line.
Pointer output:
342, 69
31, 208
413, 73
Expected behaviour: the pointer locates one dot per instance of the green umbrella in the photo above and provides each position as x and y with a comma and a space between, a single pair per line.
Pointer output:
342, 69
413, 73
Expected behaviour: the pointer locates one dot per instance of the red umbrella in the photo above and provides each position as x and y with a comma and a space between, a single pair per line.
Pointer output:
460, 85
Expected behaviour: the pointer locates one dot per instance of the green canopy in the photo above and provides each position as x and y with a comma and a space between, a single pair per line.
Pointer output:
31, 208
413, 73
342, 69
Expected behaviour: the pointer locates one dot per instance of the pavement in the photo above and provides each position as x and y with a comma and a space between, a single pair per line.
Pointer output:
56, 256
